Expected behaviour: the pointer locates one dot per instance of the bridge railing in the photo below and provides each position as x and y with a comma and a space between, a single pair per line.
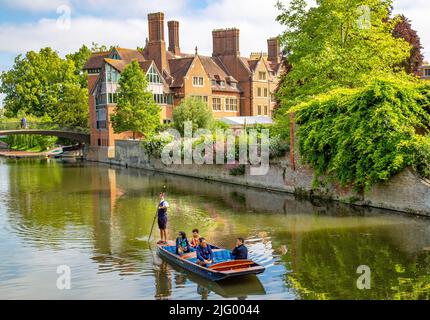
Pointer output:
41, 126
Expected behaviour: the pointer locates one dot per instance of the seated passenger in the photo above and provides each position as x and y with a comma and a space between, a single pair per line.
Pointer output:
240, 252
205, 255
182, 244
195, 240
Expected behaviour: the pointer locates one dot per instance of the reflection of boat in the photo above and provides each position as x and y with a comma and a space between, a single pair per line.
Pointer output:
224, 268
233, 288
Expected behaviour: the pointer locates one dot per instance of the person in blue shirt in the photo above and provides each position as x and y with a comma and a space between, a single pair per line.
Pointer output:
205, 255
240, 252
182, 244
162, 218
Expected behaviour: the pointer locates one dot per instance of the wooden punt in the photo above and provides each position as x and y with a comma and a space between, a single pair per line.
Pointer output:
224, 267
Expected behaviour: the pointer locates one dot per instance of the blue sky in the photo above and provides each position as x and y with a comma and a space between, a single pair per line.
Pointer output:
33, 24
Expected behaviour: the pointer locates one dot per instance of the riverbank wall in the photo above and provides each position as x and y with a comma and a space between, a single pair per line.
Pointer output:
406, 192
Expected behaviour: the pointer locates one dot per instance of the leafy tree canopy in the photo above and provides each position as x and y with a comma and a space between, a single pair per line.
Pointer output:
194, 110
337, 43
39, 83
80, 58
403, 29
136, 110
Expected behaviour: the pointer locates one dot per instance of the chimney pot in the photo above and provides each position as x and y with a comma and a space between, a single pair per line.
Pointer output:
174, 37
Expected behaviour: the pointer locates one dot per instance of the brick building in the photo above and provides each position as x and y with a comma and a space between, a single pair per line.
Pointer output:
230, 84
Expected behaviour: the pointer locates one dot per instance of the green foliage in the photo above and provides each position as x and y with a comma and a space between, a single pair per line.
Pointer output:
41, 81
34, 143
337, 44
72, 109
155, 144
194, 110
238, 170
80, 58
136, 110
364, 136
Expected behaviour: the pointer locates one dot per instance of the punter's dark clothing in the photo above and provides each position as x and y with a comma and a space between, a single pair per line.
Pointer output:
240, 253
162, 216
204, 253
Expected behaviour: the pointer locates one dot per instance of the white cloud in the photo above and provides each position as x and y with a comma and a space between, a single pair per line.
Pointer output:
34, 5
123, 23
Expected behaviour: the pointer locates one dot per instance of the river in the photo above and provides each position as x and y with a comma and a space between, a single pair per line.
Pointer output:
95, 219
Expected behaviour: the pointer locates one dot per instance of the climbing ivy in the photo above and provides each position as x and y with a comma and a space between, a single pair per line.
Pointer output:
365, 136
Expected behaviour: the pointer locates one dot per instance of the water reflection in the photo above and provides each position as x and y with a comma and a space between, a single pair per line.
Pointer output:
97, 219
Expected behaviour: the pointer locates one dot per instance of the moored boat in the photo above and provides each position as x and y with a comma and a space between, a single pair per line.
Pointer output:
224, 267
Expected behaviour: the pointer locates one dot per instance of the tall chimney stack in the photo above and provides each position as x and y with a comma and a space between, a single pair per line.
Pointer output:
274, 50
174, 37
156, 48
226, 42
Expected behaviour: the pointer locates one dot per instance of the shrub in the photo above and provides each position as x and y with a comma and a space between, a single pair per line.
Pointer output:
364, 136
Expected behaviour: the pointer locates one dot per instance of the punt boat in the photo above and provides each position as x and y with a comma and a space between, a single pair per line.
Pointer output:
224, 267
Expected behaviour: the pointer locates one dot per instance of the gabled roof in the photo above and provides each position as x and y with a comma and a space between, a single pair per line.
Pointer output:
179, 69
129, 55
216, 71
96, 60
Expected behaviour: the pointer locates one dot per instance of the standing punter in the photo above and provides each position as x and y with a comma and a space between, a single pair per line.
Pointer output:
162, 219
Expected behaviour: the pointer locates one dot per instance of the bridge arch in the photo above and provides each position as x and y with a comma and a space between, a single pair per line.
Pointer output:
76, 136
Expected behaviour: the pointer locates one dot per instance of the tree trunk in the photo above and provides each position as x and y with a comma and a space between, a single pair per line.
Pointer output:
134, 135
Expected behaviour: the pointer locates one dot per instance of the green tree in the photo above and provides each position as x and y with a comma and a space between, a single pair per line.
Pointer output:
136, 110
34, 83
80, 58
42, 84
194, 110
72, 109
337, 43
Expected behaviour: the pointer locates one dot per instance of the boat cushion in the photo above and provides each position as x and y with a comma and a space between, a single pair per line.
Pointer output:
219, 256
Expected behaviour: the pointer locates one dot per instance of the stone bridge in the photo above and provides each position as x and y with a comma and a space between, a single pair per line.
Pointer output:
45, 129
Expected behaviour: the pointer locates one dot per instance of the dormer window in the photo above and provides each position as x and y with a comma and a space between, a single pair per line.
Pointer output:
222, 84
115, 56
214, 83
233, 85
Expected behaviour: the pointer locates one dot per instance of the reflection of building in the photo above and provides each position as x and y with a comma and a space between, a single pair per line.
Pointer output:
230, 84
425, 71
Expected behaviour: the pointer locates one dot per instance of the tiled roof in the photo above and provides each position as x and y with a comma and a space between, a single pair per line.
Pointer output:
96, 60
215, 71
130, 54
179, 69
117, 64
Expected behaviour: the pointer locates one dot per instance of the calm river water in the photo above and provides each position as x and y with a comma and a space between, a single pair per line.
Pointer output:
96, 220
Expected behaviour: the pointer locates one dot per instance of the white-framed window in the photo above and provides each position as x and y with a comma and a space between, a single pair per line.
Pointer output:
216, 104
231, 104
233, 85
153, 76
201, 98
101, 118
222, 84
259, 92
165, 98
262, 75
112, 98
427, 72
198, 81
112, 75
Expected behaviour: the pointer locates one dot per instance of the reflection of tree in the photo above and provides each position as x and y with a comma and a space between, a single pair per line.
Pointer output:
325, 265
